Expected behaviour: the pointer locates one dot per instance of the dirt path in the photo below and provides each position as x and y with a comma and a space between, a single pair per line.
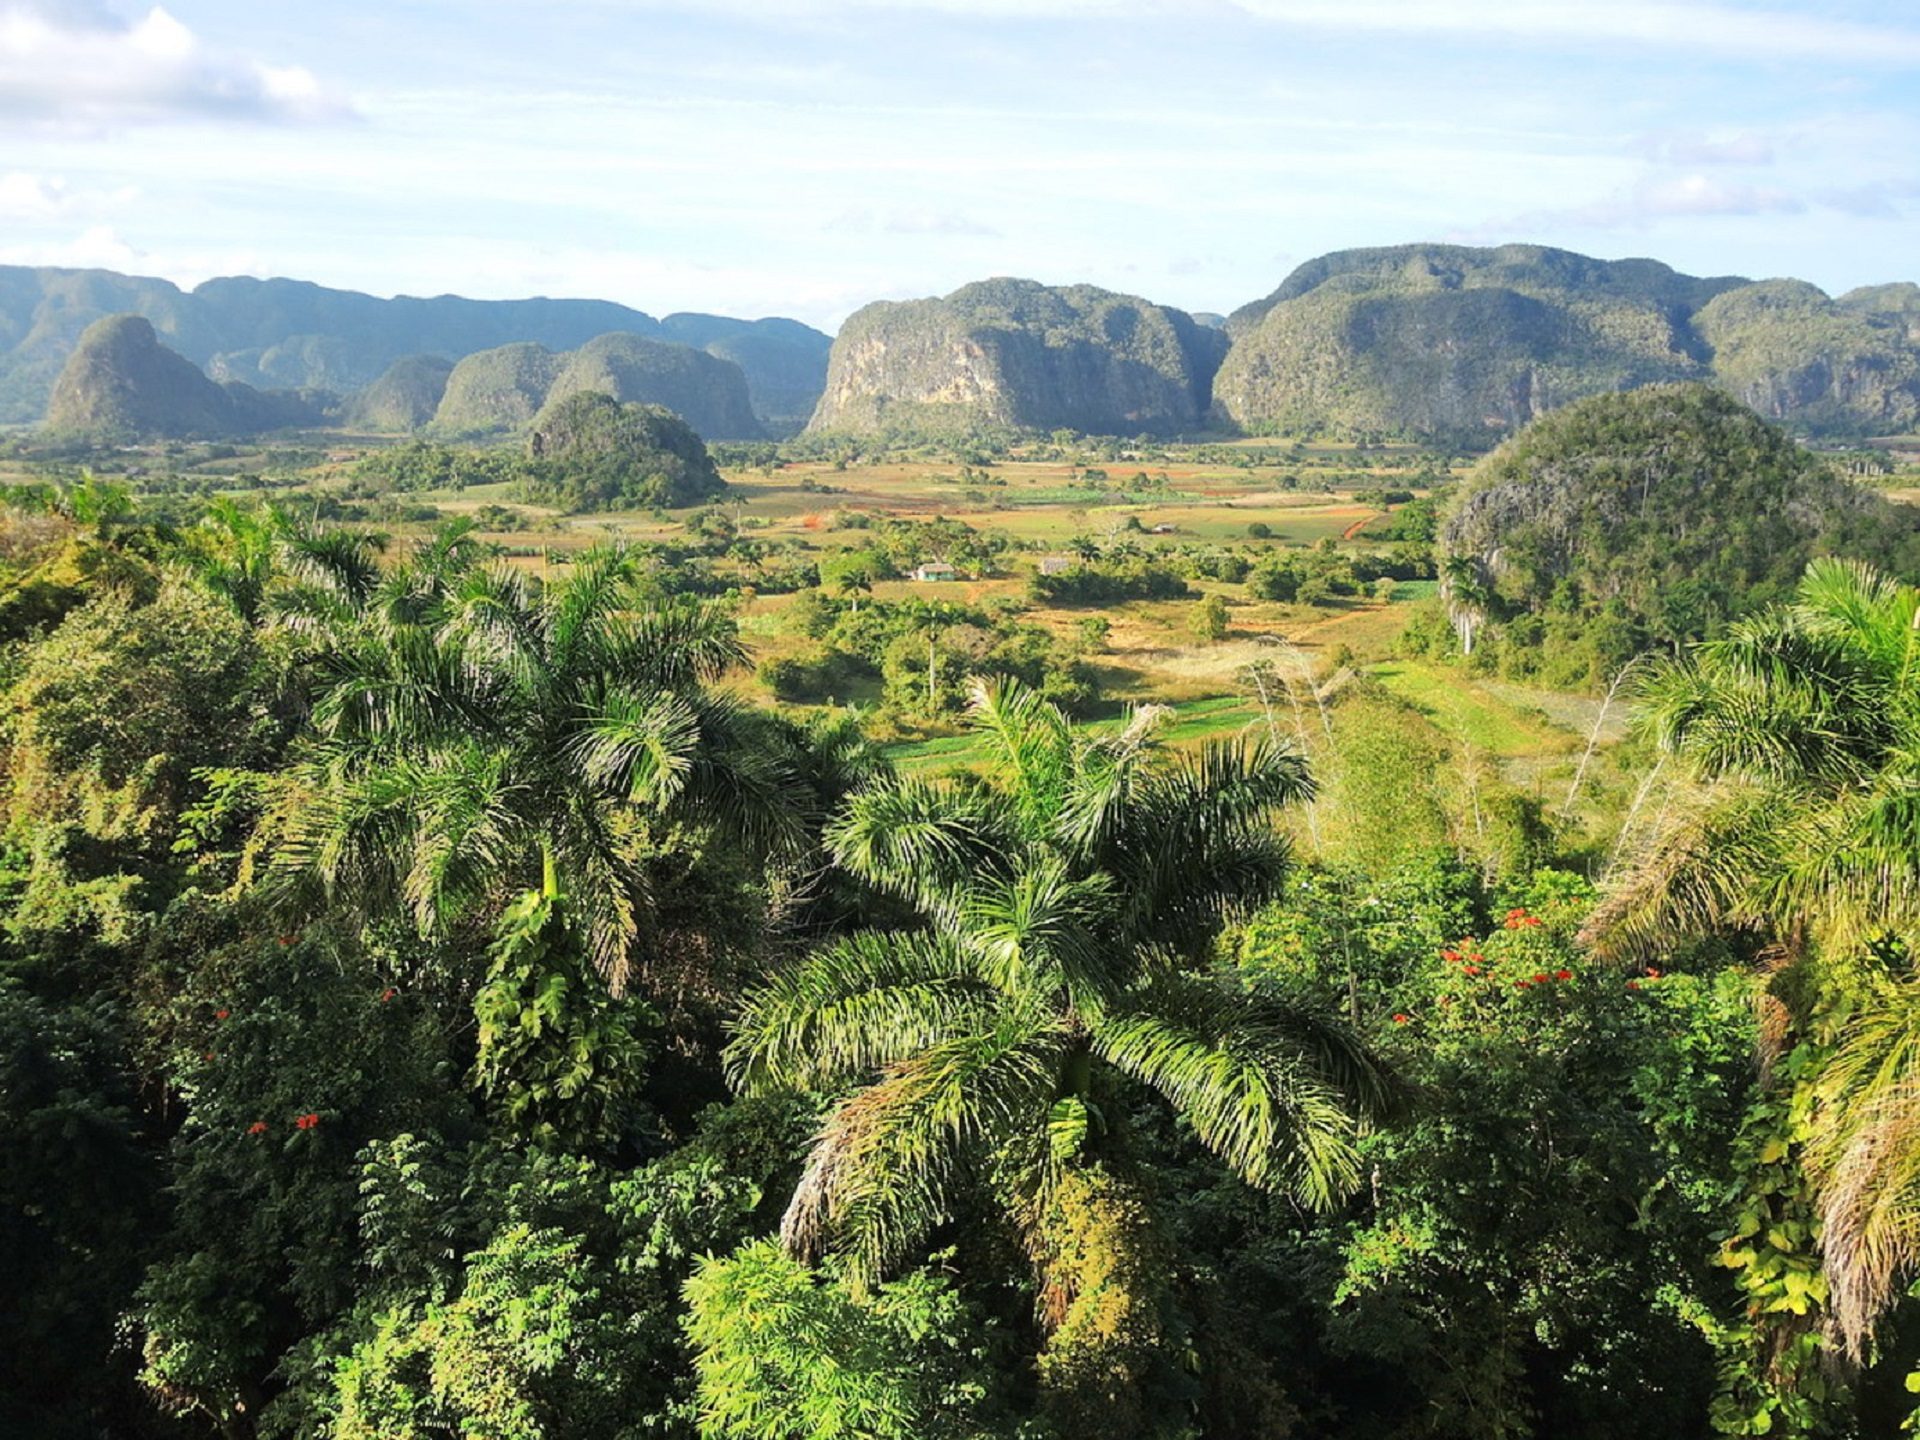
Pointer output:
1357, 526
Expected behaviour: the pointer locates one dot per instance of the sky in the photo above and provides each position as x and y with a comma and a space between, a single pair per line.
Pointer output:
804, 157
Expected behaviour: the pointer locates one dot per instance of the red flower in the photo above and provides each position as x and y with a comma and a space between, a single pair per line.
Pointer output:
387, 994
1541, 978
1450, 956
208, 1056
1473, 970
1563, 974
1520, 985
307, 1121
221, 1014
1633, 984
1535, 920
259, 1127
1401, 1019
1652, 974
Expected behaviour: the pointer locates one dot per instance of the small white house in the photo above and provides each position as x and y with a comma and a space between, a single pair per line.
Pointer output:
1055, 564
936, 570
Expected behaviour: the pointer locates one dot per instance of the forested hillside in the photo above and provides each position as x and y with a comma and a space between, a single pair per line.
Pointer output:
1641, 521
1464, 344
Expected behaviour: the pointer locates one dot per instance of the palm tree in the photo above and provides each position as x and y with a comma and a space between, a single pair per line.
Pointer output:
479, 733
1467, 597
1066, 910
1797, 820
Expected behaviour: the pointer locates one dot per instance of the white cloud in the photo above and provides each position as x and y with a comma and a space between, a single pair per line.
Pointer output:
28, 197
1652, 199
76, 63
101, 247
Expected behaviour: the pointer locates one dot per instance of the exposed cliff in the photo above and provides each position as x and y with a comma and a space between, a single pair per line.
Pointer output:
1017, 353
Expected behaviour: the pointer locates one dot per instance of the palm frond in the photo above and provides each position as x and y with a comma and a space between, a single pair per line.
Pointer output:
1280, 1097
848, 1008
882, 1170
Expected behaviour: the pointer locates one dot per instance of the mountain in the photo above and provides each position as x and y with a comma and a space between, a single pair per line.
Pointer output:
292, 334
1448, 341
1651, 518
1460, 344
504, 389
404, 398
1018, 353
120, 382
592, 452
1793, 354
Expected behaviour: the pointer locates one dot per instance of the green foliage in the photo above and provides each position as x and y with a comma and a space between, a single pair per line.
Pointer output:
1110, 580
784, 1355
1207, 622
423, 465
559, 1059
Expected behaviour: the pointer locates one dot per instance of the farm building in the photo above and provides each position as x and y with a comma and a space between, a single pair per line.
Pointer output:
1055, 564
936, 570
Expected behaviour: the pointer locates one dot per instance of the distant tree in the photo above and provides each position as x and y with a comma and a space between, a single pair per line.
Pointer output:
1207, 620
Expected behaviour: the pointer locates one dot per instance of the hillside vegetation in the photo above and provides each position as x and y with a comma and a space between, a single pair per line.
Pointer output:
121, 383
1462, 344
498, 391
1625, 522
595, 453
405, 398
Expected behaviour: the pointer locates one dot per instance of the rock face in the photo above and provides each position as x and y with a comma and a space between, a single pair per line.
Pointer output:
1792, 354
287, 333
405, 398
1017, 353
501, 390
120, 382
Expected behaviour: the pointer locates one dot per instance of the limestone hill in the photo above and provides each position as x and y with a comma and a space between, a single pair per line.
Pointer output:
498, 391
121, 383
1017, 353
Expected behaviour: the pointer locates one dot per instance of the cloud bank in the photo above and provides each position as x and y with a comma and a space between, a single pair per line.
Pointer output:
74, 62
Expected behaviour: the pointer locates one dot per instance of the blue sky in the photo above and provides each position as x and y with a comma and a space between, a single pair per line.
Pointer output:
802, 157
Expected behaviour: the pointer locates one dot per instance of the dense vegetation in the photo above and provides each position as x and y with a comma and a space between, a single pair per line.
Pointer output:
121, 383
591, 452
500, 391
436, 999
